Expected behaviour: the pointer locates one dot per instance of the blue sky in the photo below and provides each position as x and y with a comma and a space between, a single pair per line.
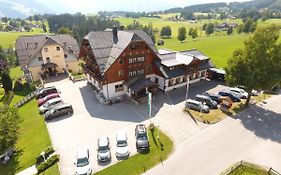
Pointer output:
93, 6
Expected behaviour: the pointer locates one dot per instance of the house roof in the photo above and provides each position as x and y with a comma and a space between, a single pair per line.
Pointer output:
169, 73
141, 83
106, 48
196, 53
28, 46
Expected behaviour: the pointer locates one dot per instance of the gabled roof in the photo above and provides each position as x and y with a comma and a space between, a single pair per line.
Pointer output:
28, 46
106, 48
196, 53
169, 73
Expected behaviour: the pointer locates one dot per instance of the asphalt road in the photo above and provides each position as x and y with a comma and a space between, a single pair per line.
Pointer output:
254, 135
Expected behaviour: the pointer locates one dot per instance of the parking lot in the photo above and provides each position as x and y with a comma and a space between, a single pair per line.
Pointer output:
92, 120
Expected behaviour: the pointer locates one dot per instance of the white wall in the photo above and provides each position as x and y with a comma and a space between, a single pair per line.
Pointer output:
109, 90
161, 80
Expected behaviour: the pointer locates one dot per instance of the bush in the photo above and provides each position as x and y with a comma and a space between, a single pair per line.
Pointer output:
18, 86
48, 151
45, 165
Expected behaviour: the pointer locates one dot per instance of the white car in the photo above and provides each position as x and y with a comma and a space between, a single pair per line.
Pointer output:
103, 153
122, 150
82, 163
49, 104
240, 92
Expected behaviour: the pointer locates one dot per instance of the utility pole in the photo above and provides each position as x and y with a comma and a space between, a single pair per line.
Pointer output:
187, 89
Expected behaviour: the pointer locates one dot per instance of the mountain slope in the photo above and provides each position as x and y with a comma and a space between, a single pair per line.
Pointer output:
21, 8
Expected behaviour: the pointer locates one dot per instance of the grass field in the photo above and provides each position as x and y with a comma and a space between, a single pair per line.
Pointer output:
247, 169
140, 163
8, 39
219, 46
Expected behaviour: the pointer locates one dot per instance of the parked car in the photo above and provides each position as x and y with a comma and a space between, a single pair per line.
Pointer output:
82, 163
46, 91
142, 141
215, 97
58, 110
122, 150
103, 151
197, 106
41, 101
208, 101
239, 92
49, 104
230, 94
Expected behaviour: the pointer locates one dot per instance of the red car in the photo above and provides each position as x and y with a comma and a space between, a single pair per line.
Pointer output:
41, 101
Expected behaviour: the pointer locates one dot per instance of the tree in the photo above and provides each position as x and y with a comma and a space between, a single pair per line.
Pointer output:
209, 29
229, 31
64, 30
181, 34
166, 32
192, 32
9, 126
258, 65
6, 82
1, 26
44, 27
27, 28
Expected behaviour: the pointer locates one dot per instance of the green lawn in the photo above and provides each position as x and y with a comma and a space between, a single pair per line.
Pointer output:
33, 138
248, 170
8, 39
15, 73
140, 163
53, 170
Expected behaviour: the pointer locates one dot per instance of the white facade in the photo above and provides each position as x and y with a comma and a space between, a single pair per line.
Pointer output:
161, 80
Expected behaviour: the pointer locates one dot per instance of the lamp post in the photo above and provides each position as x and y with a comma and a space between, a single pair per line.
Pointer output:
186, 95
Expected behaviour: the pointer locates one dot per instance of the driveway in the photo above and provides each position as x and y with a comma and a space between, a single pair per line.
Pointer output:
255, 136
92, 120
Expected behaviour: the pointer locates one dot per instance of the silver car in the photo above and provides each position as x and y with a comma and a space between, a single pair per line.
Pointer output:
49, 104
197, 106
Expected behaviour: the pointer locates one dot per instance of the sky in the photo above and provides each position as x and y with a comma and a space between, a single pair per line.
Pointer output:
93, 6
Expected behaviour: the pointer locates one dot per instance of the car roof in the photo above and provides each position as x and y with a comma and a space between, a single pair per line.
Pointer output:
193, 101
62, 105
51, 95
141, 128
54, 100
82, 152
121, 135
103, 141
202, 96
47, 88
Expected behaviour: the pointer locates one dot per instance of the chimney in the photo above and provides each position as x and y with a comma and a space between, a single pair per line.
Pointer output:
115, 34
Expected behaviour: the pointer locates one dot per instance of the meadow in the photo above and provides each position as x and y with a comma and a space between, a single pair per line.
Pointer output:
8, 39
219, 46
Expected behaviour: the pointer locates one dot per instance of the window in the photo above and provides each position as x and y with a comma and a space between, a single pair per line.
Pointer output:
40, 59
58, 48
136, 60
132, 73
119, 88
140, 72
48, 60
46, 49
156, 80
65, 55
121, 73
121, 61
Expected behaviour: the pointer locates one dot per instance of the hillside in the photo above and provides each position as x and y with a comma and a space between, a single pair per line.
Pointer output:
21, 8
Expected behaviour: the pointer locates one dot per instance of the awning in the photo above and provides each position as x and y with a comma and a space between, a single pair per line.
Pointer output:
140, 84
49, 65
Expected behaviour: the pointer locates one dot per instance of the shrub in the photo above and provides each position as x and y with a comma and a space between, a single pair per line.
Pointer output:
45, 165
18, 86
48, 151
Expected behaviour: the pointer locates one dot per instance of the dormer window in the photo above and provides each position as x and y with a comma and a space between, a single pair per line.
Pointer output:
58, 48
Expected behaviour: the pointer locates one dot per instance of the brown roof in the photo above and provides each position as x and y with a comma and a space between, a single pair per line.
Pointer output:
106, 50
28, 46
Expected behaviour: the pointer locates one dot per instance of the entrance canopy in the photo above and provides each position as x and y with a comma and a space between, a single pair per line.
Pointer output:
140, 84
49, 65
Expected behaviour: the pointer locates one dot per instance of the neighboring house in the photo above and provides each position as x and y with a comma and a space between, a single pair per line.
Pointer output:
47, 55
127, 63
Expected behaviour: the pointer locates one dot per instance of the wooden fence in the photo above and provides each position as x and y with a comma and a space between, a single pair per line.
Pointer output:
270, 171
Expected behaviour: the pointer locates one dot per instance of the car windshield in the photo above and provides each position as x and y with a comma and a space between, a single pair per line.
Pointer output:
142, 136
103, 149
82, 162
121, 143
46, 104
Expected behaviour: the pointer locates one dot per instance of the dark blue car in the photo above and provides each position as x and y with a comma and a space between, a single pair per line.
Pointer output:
215, 97
233, 97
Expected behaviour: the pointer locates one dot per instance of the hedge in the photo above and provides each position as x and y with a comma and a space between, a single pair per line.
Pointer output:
49, 162
48, 151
